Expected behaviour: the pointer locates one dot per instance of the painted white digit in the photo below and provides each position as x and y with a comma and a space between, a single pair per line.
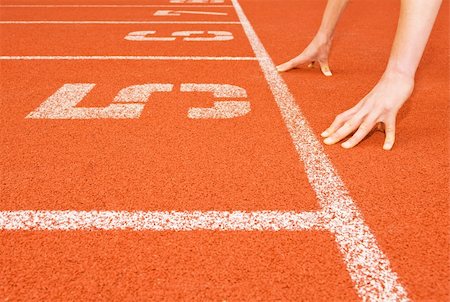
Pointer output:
178, 13
218, 35
197, 1
128, 103
144, 36
222, 109
187, 36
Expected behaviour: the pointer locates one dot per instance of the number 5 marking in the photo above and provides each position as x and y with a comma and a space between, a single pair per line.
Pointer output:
128, 103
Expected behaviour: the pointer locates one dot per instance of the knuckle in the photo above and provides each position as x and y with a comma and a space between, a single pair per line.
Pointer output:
339, 118
390, 129
365, 127
350, 124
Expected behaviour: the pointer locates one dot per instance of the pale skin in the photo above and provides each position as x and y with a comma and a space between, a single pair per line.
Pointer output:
379, 108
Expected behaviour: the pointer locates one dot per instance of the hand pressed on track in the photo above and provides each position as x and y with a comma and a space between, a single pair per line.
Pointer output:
381, 105
317, 51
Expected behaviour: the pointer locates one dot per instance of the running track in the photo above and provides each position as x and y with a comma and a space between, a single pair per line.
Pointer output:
151, 152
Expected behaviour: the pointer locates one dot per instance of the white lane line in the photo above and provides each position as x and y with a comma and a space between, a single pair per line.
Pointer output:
106, 6
160, 221
155, 58
116, 22
369, 268
164, 13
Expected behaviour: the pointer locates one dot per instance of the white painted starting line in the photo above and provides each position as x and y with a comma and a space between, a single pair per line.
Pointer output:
156, 58
369, 268
160, 221
116, 22
106, 6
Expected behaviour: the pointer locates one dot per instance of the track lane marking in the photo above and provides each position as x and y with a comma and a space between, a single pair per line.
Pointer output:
115, 22
369, 268
107, 6
161, 220
177, 13
155, 58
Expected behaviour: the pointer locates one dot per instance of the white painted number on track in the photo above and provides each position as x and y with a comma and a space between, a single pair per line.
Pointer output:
223, 109
187, 36
144, 36
130, 101
190, 12
217, 35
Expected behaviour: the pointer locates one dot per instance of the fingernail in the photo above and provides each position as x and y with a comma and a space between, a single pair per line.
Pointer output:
387, 147
325, 133
328, 141
327, 73
345, 145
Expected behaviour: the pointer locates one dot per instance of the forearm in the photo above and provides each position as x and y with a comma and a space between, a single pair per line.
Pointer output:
331, 17
414, 26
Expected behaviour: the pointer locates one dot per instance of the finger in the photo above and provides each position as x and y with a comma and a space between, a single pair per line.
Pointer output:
390, 134
339, 121
325, 68
342, 132
366, 126
295, 62
380, 127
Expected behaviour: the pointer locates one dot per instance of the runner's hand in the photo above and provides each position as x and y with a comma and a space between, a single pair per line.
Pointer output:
379, 106
317, 51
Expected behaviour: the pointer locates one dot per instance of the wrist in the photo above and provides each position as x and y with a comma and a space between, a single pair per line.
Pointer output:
403, 83
398, 75
324, 36
396, 69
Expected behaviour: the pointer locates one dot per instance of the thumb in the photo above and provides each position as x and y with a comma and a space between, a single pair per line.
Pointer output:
295, 62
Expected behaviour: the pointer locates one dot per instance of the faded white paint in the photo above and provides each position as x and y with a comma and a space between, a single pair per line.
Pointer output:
109, 5
186, 36
160, 220
218, 90
198, 1
369, 268
144, 36
367, 265
128, 104
222, 109
150, 58
115, 22
176, 13
217, 35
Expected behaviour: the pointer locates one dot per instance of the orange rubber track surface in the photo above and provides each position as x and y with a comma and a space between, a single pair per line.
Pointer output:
165, 161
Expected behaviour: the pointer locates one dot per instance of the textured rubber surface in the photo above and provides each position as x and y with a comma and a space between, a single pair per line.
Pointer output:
165, 161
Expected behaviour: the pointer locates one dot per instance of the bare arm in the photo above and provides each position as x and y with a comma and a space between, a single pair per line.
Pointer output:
414, 26
331, 16
396, 85
319, 48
